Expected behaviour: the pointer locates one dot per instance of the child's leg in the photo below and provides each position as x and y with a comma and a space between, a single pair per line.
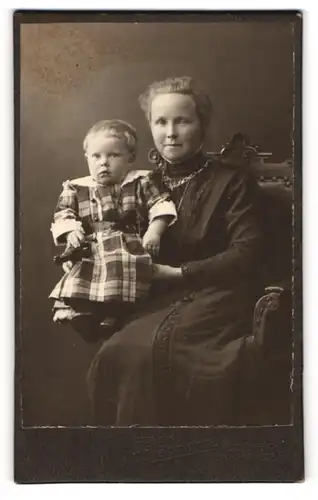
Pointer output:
81, 316
114, 315
98, 321
88, 328
93, 321
63, 312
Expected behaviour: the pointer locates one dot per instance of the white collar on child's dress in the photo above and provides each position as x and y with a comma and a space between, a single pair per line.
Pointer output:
88, 181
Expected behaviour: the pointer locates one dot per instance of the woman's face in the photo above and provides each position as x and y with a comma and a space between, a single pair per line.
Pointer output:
175, 126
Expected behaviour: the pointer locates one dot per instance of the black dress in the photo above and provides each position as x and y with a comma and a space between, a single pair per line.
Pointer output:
183, 360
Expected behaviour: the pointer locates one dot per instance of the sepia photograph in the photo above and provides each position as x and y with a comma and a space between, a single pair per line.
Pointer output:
158, 193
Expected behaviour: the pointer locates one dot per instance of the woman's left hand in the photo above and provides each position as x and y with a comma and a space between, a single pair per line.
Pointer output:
163, 272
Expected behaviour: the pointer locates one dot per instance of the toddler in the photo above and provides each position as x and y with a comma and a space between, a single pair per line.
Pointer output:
103, 219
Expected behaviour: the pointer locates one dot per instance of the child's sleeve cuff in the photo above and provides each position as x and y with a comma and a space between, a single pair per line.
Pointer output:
60, 228
162, 208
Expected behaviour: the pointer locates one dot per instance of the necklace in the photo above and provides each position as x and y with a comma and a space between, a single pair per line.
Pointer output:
175, 183
172, 184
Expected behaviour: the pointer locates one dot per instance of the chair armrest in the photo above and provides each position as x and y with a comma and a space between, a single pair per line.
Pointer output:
282, 286
270, 357
268, 303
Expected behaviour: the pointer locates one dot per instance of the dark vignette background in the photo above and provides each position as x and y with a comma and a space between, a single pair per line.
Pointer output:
75, 74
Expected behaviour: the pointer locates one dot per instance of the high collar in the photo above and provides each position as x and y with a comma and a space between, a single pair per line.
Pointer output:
186, 167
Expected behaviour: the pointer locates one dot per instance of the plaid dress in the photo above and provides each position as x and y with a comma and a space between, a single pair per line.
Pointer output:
118, 268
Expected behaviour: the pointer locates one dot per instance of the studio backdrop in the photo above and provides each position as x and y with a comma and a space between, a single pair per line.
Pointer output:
74, 74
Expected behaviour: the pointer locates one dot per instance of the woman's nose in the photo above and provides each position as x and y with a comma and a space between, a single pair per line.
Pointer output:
171, 130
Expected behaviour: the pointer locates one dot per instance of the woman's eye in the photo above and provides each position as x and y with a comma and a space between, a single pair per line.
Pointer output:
160, 121
182, 121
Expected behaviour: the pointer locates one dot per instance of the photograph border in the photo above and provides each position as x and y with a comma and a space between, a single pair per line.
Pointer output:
164, 454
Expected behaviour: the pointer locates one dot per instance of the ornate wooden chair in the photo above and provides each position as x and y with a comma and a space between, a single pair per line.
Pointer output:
272, 329
271, 341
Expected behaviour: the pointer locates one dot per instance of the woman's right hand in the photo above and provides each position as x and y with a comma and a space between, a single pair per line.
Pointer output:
164, 272
75, 238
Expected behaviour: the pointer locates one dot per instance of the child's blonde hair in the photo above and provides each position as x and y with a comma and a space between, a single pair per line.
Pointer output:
115, 128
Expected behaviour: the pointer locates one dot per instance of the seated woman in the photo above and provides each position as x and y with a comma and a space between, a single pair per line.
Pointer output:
184, 359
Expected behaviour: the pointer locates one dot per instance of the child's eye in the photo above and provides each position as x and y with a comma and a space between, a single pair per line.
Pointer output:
114, 155
96, 155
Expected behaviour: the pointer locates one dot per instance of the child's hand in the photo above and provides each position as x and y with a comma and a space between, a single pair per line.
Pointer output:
75, 238
67, 266
151, 242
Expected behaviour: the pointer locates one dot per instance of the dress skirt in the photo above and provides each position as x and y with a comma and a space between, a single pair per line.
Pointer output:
118, 270
173, 365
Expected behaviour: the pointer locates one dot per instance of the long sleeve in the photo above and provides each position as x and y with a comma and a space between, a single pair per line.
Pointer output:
66, 214
243, 236
157, 199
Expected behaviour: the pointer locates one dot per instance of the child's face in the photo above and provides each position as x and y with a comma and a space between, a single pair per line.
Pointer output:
108, 158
